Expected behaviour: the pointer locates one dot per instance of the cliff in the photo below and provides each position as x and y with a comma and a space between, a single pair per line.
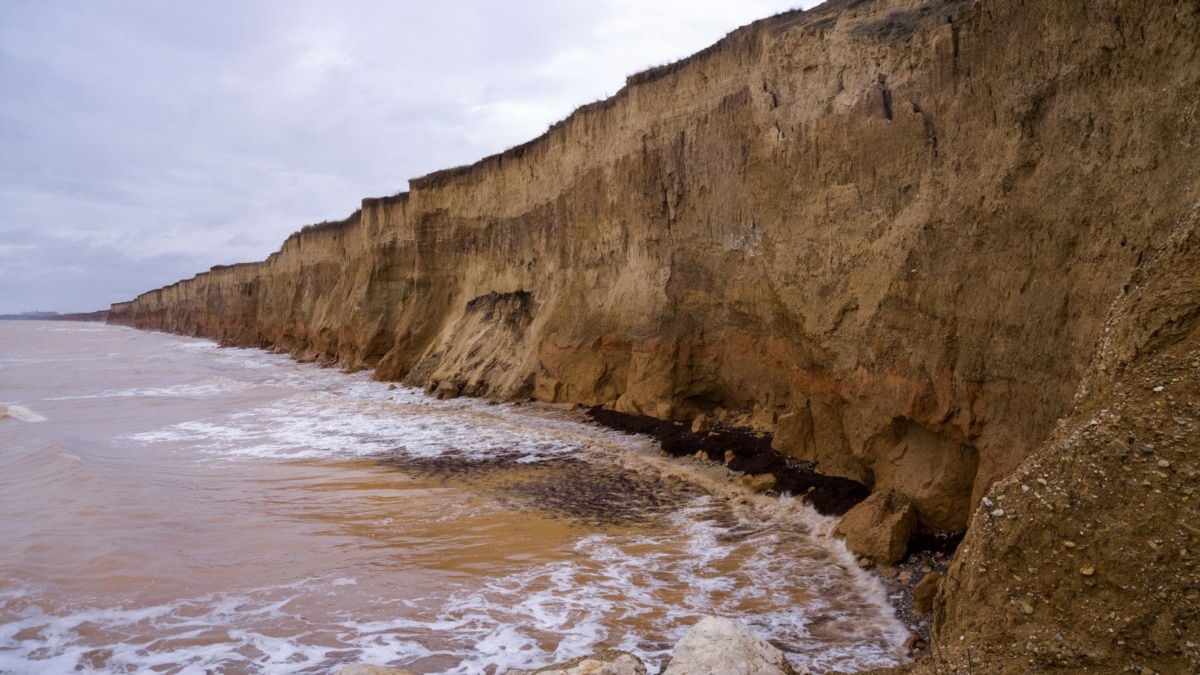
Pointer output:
902, 235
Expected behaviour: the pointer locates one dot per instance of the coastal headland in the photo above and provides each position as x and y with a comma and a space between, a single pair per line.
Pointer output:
948, 249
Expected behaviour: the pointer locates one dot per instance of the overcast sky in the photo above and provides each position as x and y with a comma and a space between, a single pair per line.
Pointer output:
144, 141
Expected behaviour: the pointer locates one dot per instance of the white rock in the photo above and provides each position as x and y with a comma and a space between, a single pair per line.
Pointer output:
998, 513
721, 646
608, 662
368, 669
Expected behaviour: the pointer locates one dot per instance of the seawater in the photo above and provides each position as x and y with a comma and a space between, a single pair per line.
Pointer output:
170, 506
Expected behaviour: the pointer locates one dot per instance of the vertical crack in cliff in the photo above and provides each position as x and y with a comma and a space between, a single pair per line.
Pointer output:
886, 93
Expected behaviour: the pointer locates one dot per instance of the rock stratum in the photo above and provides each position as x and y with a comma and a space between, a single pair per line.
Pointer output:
946, 248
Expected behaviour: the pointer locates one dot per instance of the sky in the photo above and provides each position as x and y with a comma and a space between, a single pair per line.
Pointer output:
143, 141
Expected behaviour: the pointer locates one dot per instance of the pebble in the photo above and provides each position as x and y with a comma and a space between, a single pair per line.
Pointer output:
865, 563
1164, 463
1026, 608
906, 576
998, 513
1087, 571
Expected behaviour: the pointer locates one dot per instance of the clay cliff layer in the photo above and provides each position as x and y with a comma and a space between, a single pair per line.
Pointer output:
889, 231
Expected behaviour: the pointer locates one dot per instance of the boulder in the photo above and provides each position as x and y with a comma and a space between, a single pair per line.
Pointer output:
723, 646
759, 482
936, 472
368, 669
607, 662
879, 527
924, 592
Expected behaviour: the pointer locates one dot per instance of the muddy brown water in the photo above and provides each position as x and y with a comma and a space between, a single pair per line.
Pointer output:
170, 506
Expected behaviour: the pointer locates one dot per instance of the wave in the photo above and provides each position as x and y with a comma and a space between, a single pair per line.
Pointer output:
212, 386
637, 592
18, 413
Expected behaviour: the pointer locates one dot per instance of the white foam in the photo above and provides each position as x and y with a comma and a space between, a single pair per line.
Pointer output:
209, 387
812, 600
764, 560
19, 413
320, 425
618, 578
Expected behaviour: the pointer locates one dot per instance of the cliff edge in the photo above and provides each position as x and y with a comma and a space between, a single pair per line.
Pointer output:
941, 247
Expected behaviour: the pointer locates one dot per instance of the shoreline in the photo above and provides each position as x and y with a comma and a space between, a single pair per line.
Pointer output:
928, 552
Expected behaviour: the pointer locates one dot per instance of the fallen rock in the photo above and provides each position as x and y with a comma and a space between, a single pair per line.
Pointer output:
759, 482
879, 527
607, 662
717, 645
700, 425
914, 643
368, 669
924, 592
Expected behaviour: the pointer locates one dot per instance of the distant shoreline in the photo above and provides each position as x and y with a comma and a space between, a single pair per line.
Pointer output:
100, 316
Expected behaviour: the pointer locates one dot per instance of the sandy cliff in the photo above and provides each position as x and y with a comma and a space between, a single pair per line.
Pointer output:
902, 235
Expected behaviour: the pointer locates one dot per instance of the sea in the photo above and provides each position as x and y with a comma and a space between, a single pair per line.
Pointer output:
168, 505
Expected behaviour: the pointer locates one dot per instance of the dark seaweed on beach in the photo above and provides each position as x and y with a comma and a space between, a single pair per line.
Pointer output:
564, 487
829, 495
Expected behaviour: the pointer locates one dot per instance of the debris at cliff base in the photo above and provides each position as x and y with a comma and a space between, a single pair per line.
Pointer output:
927, 552
752, 455
1085, 557
945, 543
879, 528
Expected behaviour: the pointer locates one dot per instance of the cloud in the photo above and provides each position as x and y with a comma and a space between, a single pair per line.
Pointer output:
142, 142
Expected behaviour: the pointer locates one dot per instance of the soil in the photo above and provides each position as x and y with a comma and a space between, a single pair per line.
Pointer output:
1084, 559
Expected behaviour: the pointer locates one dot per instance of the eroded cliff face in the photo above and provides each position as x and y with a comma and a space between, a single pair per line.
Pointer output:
889, 231
1084, 558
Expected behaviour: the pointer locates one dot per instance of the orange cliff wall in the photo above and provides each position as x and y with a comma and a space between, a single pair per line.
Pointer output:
888, 230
